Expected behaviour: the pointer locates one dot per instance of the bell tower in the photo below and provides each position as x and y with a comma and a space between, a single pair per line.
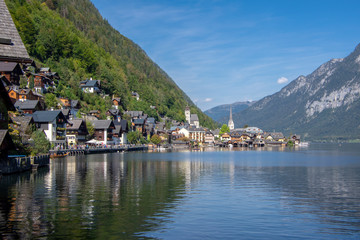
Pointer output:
231, 122
187, 114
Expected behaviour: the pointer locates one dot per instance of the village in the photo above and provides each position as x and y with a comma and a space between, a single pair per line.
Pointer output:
67, 127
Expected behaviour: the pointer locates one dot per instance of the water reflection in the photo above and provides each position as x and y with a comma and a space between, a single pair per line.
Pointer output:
160, 195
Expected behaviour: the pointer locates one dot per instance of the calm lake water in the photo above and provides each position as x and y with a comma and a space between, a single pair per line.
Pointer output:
278, 193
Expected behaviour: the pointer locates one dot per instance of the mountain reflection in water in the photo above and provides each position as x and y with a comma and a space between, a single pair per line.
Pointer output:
311, 193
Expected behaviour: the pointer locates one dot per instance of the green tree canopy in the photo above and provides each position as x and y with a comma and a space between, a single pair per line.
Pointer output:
40, 143
224, 129
155, 139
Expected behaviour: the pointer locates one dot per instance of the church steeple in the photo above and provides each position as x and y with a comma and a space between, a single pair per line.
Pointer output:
231, 122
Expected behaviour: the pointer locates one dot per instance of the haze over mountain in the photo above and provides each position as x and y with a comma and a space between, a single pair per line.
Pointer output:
324, 105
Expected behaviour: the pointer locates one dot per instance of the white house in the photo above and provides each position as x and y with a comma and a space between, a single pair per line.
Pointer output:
90, 86
53, 123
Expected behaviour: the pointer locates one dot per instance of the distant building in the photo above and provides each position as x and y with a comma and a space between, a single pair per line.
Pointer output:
90, 86
104, 131
231, 122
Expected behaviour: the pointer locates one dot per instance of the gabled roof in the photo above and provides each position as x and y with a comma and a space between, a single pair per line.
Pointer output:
11, 46
74, 103
75, 124
66, 112
89, 83
134, 113
9, 66
47, 116
103, 124
139, 121
26, 105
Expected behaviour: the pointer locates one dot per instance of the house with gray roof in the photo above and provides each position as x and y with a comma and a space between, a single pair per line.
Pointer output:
104, 131
76, 132
90, 86
120, 132
12, 48
28, 106
12, 71
53, 123
194, 120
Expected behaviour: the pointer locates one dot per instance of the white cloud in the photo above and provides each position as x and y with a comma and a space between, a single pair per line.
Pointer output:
282, 80
208, 99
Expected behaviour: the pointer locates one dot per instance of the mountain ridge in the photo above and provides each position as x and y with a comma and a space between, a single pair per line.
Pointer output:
324, 105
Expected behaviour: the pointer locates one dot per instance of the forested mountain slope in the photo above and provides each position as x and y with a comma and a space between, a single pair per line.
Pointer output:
72, 38
324, 105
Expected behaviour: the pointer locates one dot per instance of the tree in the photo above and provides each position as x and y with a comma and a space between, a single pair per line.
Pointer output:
155, 139
51, 100
40, 143
133, 137
90, 129
224, 129
246, 126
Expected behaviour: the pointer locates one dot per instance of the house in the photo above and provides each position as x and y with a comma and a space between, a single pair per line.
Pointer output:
113, 114
42, 84
116, 102
95, 113
12, 71
134, 114
22, 94
225, 137
29, 106
90, 86
209, 137
76, 132
75, 104
135, 95
138, 125
197, 134
120, 132
274, 138
104, 131
53, 123
296, 139
65, 103
66, 113
12, 48
216, 133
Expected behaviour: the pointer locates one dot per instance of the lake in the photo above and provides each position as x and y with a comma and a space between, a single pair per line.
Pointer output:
263, 193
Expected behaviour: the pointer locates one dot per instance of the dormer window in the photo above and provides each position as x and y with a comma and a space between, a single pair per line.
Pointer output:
5, 41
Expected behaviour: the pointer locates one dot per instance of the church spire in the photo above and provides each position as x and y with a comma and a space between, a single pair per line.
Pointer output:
231, 122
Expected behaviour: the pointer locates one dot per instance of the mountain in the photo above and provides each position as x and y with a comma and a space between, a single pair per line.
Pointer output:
221, 113
324, 105
73, 39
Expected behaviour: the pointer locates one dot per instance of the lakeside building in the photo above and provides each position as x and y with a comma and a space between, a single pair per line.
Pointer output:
53, 123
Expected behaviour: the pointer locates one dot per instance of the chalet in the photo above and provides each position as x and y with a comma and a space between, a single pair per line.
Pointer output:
225, 137
75, 104
113, 114
66, 113
176, 132
12, 48
209, 137
120, 132
90, 86
216, 133
116, 102
274, 138
29, 106
138, 125
150, 126
53, 123
76, 132
197, 134
65, 102
134, 114
42, 84
22, 94
104, 131
95, 113
12, 71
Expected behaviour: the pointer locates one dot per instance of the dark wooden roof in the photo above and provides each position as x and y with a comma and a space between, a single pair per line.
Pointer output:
11, 46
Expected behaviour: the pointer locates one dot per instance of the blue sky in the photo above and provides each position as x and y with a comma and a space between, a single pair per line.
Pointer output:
220, 52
